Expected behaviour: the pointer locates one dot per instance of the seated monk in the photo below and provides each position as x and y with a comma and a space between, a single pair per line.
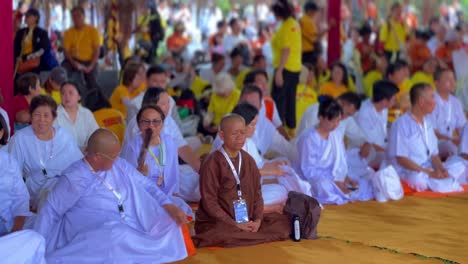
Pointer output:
231, 206
103, 210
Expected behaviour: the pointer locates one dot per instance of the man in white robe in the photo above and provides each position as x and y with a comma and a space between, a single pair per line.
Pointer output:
463, 154
267, 137
448, 116
103, 210
372, 119
322, 160
22, 247
42, 162
413, 151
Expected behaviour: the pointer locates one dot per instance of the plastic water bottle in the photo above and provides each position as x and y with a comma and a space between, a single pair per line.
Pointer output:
296, 228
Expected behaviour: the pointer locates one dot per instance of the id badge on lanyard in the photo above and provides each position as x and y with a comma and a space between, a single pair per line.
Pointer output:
240, 205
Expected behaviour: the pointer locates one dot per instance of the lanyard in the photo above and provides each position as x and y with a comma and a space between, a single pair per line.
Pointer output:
159, 162
110, 188
39, 154
233, 169
424, 134
449, 115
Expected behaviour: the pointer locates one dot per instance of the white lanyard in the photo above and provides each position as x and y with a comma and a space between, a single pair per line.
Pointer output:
39, 155
449, 115
160, 163
110, 188
424, 134
233, 169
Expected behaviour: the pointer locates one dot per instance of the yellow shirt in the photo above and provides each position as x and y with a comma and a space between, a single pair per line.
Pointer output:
369, 80
331, 89
241, 77
323, 78
55, 95
221, 106
393, 38
305, 97
403, 100
122, 92
288, 36
309, 33
27, 44
81, 43
422, 77
198, 85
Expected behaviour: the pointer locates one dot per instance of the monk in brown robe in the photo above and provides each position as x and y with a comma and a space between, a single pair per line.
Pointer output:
216, 223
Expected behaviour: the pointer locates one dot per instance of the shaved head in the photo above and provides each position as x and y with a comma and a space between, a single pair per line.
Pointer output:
229, 119
101, 141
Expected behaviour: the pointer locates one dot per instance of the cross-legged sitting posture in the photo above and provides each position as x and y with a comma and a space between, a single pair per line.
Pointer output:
231, 206
413, 150
322, 160
103, 210
22, 247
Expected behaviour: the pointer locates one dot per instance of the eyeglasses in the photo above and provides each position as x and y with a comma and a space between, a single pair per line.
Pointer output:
108, 157
147, 122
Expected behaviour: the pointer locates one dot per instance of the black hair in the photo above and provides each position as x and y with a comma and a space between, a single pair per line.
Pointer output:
257, 58
43, 100
233, 21
220, 24
344, 79
155, 69
351, 98
439, 72
27, 81
250, 77
310, 6
235, 52
282, 9
152, 96
365, 29
34, 12
150, 106
6, 133
251, 88
79, 9
72, 83
417, 91
383, 90
216, 57
329, 108
394, 67
247, 111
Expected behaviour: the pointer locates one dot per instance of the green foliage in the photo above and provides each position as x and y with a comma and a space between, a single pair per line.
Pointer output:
224, 5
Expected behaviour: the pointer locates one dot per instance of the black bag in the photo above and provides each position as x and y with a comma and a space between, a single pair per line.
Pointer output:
308, 209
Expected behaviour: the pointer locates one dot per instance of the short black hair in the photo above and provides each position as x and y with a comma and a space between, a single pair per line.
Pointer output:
351, 98
150, 106
235, 52
6, 132
394, 67
155, 69
27, 81
79, 9
439, 72
310, 6
71, 83
233, 21
251, 88
246, 110
329, 108
152, 96
417, 91
383, 90
216, 57
220, 24
250, 77
257, 58
283, 9
33, 12
43, 100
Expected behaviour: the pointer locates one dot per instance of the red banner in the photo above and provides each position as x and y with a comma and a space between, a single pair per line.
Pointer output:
334, 21
6, 49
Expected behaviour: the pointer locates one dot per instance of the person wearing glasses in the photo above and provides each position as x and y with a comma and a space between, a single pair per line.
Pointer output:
156, 159
42, 150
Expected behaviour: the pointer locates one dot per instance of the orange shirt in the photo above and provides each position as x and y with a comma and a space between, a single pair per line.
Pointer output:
418, 53
444, 52
331, 89
175, 42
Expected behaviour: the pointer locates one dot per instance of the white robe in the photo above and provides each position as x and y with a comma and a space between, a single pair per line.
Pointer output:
34, 154
84, 125
170, 171
7, 120
463, 149
276, 117
413, 141
275, 193
22, 247
81, 222
446, 118
14, 196
189, 178
373, 125
267, 138
322, 162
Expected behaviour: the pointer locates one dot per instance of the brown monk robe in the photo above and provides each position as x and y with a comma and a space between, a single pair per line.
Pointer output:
215, 223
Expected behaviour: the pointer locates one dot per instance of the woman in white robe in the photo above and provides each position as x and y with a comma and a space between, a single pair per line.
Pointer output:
189, 178
278, 178
322, 161
42, 150
160, 161
79, 121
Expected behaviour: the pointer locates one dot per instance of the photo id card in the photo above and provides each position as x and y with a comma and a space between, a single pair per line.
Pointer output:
240, 211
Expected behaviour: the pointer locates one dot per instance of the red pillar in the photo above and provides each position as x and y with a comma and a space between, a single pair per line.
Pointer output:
6, 51
334, 21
